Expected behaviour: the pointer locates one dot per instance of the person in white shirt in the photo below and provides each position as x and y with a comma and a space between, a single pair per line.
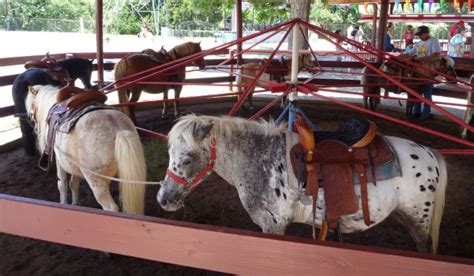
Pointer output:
427, 49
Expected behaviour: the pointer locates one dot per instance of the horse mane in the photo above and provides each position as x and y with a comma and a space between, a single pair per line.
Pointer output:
45, 98
184, 49
222, 126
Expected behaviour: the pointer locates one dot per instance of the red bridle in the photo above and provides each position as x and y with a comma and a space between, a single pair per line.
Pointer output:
197, 179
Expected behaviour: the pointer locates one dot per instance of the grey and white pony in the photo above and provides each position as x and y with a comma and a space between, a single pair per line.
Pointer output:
251, 156
102, 142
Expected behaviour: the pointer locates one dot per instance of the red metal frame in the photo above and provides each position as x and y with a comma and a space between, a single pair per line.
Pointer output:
308, 89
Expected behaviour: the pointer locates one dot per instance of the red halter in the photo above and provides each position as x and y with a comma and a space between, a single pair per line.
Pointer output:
196, 180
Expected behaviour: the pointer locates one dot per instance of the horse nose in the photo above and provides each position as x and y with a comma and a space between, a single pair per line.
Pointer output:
164, 202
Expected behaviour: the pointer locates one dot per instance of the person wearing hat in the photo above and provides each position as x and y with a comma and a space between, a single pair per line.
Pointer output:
456, 43
425, 50
454, 28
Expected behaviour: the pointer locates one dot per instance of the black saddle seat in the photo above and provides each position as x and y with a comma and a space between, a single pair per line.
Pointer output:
349, 133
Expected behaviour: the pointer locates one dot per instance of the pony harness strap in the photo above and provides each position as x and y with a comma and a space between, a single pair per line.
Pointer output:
197, 179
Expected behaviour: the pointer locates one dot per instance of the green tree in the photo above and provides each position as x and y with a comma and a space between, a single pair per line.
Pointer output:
269, 12
27, 12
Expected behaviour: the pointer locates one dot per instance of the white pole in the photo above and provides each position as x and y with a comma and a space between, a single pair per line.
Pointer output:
295, 54
294, 62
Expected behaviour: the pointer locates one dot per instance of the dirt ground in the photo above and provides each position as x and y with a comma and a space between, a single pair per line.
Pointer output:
217, 203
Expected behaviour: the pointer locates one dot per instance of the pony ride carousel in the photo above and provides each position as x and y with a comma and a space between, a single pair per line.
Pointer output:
308, 195
314, 196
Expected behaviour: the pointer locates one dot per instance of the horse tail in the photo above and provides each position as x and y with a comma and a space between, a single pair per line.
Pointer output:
439, 201
131, 166
120, 70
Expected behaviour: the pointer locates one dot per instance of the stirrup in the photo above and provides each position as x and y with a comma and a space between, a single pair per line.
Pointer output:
323, 232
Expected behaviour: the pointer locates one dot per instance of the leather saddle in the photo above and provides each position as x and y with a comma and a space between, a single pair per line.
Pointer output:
336, 161
72, 103
55, 71
160, 57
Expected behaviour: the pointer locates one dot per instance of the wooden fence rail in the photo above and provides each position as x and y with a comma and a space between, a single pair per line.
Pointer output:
210, 247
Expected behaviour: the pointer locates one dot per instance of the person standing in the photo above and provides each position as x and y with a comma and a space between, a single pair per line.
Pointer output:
454, 28
389, 47
456, 43
359, 37
408, 36
425, 50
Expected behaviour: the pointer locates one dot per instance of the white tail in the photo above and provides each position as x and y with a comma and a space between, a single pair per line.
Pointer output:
438, 204
131, 166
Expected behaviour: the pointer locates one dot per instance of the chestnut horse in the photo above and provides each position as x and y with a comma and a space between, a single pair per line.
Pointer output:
136, 63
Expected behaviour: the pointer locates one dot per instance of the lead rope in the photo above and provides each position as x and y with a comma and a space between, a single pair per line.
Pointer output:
106, 176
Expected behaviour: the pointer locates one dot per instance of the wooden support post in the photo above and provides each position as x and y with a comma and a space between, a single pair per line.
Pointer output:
382, 28
99, 40
374, 25
239, 30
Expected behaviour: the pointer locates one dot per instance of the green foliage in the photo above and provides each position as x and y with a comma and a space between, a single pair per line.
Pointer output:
337, 14
269, 12
27, 12
124, 19
175, 12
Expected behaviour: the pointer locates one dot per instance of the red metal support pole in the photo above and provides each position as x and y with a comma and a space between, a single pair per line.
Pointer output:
239, 30
99, 40
231, 70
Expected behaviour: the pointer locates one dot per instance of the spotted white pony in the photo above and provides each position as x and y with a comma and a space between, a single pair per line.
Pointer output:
102, 142
251, 156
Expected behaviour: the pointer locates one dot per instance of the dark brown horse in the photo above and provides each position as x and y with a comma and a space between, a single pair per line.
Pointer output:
77, 68
443, 64
148, 59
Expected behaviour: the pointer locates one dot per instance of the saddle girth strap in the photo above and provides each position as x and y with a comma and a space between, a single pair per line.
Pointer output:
360, 169
312, 188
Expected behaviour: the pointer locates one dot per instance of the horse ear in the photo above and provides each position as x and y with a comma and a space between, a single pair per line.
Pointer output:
32, 90
201, 131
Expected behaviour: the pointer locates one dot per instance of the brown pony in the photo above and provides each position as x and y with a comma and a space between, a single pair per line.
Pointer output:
444, 65
276, 71
148, 59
